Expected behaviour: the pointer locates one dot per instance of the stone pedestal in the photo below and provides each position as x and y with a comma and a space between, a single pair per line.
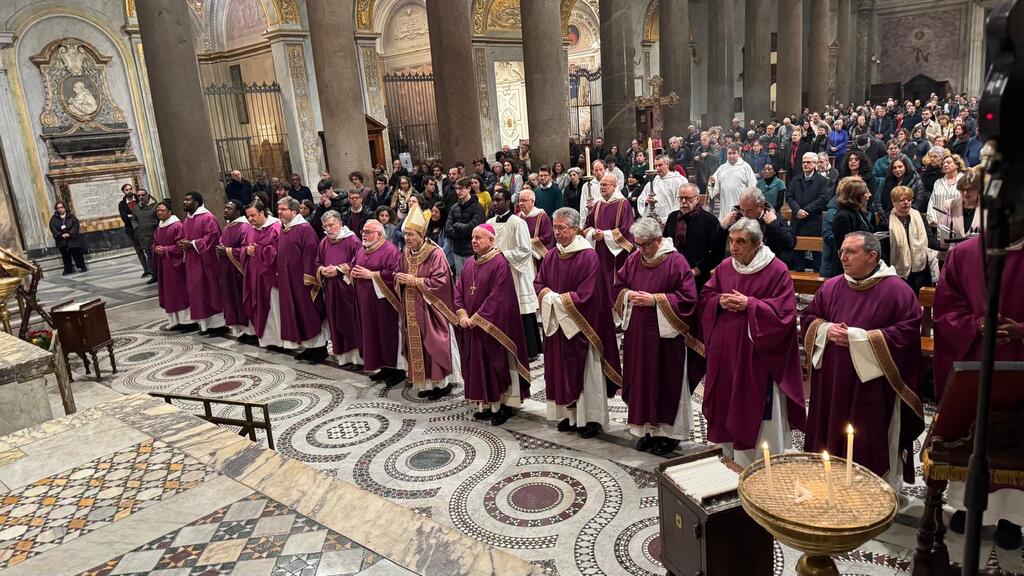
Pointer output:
455, 92
674, 62
331, 30
546, 69
183, 125
757, 70
720, 85
617, 89
846, 57
817, 83
790, 70
25, 370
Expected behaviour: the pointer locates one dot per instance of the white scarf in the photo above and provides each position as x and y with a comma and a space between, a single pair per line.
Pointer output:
268, 222
665, 247
239, 220
343, 233
200, 210
763, 258
535, 212
884, 270
172, 220
299, 219
615, 196
908, 254
578, 244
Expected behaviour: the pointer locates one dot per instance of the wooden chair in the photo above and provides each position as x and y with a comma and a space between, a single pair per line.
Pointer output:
927, 299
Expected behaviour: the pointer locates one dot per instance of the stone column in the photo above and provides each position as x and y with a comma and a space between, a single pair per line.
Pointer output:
183, 126
790, 69
846, 58
817, 91
674, 63
331, 37
547, 79
757, 71
617, 89
455, 93
720, 85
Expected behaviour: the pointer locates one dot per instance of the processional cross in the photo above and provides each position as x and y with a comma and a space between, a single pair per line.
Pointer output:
656, 101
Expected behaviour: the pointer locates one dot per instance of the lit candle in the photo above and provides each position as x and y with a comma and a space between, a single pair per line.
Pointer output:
849, 454
767, 464
588, 161
650, 154
828, 475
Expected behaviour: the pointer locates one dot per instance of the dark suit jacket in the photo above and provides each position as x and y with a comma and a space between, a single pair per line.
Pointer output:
810, 195
791, 163
704, 245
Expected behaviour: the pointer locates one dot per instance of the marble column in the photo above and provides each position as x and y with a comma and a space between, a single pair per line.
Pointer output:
846, 58
757, 71
186, 141
455, 94
547, 79
790, 69
720, 84
335, 60
617, 89
674, 62
817, 83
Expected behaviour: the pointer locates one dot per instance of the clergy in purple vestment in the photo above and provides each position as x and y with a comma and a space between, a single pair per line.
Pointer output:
373, 275
199, 244
607, 228
333, 264
301, 306
753, 391
229, 251
491, 340
424, 287
581, 357
862, 335
960, 304
655, 304
170, 266
542, 238
259, 280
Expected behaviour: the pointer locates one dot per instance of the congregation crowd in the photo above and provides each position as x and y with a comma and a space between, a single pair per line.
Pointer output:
442, 275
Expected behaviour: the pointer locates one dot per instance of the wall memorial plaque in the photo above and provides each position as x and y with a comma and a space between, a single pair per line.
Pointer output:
97, 198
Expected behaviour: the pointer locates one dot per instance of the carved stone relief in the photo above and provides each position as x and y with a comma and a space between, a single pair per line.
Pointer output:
303, 106
922, 43
77, 95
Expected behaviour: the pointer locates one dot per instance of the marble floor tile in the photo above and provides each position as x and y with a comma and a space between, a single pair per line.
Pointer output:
263, 567
143, 561
384, 568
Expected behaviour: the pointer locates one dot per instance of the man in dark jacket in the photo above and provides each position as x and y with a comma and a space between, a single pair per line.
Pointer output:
328, 200
464, 215
807, 194
778, 236
707, 161
793, 152
357, 214
880, 125
694, 233
124, 209
145, 222
238, 188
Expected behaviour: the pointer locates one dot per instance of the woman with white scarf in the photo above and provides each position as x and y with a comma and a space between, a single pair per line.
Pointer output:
912, 244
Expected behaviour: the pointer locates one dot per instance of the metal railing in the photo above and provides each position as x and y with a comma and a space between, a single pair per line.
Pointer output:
248, 426
248, 129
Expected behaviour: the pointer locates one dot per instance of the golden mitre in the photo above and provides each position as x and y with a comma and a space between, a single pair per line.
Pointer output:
416, 221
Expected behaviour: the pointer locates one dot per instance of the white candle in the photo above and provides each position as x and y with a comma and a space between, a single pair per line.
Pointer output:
767, 464
849, 454
828, 475
588, 161
650, 154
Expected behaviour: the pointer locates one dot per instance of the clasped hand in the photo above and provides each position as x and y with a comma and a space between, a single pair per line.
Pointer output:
733, 301
641, 298
839, 334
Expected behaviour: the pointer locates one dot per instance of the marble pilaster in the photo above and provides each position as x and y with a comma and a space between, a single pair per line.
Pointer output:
186, 140
720, 84
289, 53
846, 58
336, 61
865, 38
618, 90
974, 68
546, 70
155, 168
817, 83
674, 61
456, 100
757, 70
483, 80
790, 69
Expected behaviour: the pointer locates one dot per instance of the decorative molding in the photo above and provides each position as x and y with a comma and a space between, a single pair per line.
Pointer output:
289, 12
129, 8
371, 74
480, 66
652, 20
303, 106
504, 15
364, 14
6, 39
77, 94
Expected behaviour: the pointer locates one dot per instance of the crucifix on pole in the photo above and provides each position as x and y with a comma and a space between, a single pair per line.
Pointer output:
656, 101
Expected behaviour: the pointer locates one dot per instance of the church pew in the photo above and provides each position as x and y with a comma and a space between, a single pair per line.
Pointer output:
806, 282
809, 244
927, 299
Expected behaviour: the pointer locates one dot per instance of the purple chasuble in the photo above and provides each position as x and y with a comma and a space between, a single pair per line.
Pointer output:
233, 238
426, 313
960, 306
616, 216
748, 351
339, 296
652, 372
260, 274
581, 282
540, 231
839, 398
171, 283
201, 267
486, 293
302, 314
379, 337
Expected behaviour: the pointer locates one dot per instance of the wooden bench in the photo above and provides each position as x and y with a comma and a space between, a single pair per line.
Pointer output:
809, 244
927, 299
806, 282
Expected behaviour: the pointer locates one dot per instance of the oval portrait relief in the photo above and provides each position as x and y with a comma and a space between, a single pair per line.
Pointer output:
80, 97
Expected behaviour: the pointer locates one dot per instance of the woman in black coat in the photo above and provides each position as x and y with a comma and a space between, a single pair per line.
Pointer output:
854, 197
65, 229
900, 174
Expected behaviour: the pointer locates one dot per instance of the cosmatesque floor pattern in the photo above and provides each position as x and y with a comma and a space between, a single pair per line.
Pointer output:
570, 506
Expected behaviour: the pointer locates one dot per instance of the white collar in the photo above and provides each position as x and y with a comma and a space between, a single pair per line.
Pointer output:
172, 220
763, 258
665, 247
239, 220
577, 245
535, 212
883, 271
299, 219
343, 233
616, 196
200, 210
271, 220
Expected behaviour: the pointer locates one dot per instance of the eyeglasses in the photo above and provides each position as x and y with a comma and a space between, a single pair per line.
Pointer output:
648, 243
562, 227
689, 198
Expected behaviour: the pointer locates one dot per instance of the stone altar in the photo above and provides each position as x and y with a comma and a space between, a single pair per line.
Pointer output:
25, 370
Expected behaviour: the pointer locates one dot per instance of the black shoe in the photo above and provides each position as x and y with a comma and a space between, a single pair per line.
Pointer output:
501, 416
213, 332
67, 272
304, 354
144, 274
1007, 535
564, 426
485, 414
590, 430
186, 328
395, 377
438, 393
379, 376
248, 339
83, 269
277, 349
663, 446
957, 522
424, 393
644, 444
152, 280
316, 355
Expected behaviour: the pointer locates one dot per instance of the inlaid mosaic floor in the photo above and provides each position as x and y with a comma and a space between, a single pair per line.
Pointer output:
571, 506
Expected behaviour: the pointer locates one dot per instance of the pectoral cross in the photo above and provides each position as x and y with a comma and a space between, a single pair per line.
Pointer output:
472, 289
656, 101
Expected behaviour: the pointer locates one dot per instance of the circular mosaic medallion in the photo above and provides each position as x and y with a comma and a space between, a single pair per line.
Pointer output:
535, 498
140, 357
178, 371
347, 430
283, 405
225, 387
429, 459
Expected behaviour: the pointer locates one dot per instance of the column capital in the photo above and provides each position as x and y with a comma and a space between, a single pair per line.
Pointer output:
285, 35
7, 39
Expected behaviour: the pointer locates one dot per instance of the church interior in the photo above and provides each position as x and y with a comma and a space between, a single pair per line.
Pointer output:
166, 453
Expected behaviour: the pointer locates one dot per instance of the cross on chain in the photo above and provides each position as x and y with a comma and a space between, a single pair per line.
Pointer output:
656, 101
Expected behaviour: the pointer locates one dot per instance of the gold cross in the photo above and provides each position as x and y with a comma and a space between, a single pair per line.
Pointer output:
472, 289
657, 101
